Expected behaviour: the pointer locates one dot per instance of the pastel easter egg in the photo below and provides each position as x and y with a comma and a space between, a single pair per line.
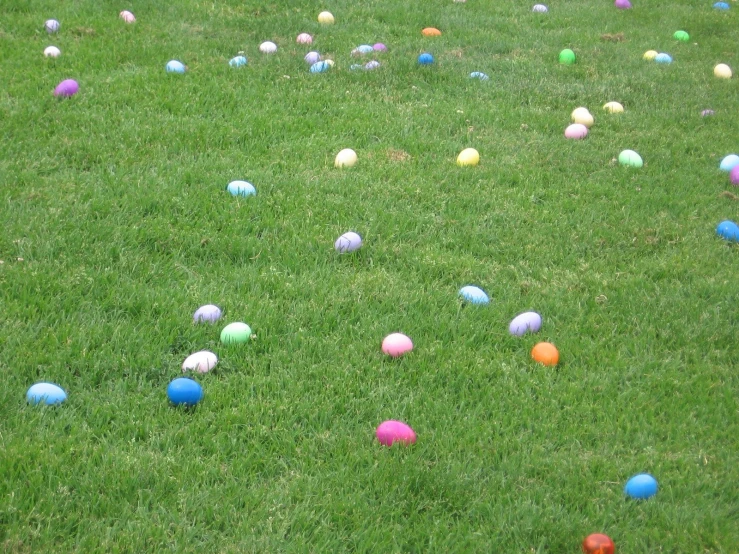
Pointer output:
468, 157
579, 112
525, 323
312, 57
479, 75
584, 119
641, 486
208, 313
721, 6
622, 4
630, 158
474, 295
729, 162
539, 8
175, 66
706, 113
576, 131
379, 47
237, 332
68, 87
52, 52
345, 158
663, 58
326, 18
51, 26
722, 71
304, 38
241, 188
396, 344
374, 64
681, 36
46, 393
613, 107
184, 392
348, 242
201, 362
320, 67
649, 55
392, 431
268, 47
431, 32
127, 16
237, 61
734, 175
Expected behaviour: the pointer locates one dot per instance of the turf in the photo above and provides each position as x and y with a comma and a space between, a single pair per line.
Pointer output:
117, 226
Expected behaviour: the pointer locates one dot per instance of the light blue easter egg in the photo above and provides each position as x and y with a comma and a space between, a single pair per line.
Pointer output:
728, 230
47, 393
425, 59
356, 66
374, 64
175, 67
365, 49
241, 188
721, 6
474, 295
320, 67
728, 163
663, 58
238, 61
479, 75
641, 486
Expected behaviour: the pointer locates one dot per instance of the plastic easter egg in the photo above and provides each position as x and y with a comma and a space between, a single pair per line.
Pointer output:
474, 295
326, 18
598, 543
729, 162
734, 175
479, 75
364, 49
184, 392
235, 332
641, 486
356, 66
524, 323
304, 38
237, 61
622, 4
431, 32
663, 58
539, 8
468, 157
649, 55
425, 59
728, 230
175, 66
202, 362
576, 131
391, 431
722, 71
630, 158
46, 393
721, 5
396, 344
312, 57
348, 242
268, 47
545, 353
52, 52
706, 113
51, 26
374, 64
207, 314
613, 107
681, 36
330, 63
567, 57
584, 119
379, 47
68, 87
127, 16
320, 67
345, 158
241, 188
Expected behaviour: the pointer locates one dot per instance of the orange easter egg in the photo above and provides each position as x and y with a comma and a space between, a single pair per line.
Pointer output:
545, 353
431, 32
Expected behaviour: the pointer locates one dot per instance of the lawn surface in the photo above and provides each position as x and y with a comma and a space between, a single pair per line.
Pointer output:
116, 226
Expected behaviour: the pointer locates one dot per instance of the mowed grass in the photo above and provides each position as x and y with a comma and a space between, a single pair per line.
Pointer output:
117, 226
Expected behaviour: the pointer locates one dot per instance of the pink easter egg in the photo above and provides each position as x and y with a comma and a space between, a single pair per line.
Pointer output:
304, 38
68, 87
396, 345
734, 175
391, 431
622, 4
576, 131
127, 16
379, 47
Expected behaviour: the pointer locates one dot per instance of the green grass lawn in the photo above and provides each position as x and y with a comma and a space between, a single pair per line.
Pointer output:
116, 226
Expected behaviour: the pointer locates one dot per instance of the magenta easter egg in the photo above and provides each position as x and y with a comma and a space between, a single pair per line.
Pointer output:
576, 131
379, 47
68, 87
396, 345
622, 4
391, 431
734, 176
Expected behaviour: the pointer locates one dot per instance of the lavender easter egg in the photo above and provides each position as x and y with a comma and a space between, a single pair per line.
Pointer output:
51, 26
392, 431
312, 57
348, 242
379, 47
207, 314
524, 323
68, 87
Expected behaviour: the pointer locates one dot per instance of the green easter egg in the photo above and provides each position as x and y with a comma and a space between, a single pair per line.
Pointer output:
681, 35
567, 57
630, 158
235, 332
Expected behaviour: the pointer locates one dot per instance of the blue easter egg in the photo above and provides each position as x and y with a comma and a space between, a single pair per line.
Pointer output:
479, 75
365, 49
47, 393
728, 230
721, 6
175, 67
641, 486
241, 188
184, 391
320, 67
238, 61
356, 66
474, 295
663, 58
728, 163
425, 59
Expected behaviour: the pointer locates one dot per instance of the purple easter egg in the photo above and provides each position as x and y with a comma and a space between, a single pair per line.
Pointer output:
379, 47
734, 176
68, 87
622, 4
706, 113
208, 313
